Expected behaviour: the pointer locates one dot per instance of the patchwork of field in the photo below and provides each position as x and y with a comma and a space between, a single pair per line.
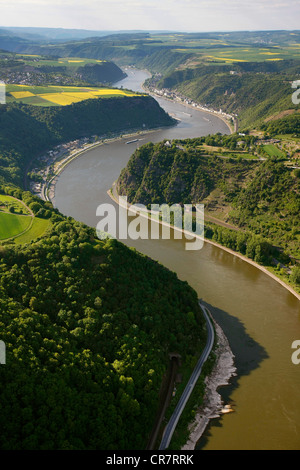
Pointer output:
59, 96
8, 203
40, 61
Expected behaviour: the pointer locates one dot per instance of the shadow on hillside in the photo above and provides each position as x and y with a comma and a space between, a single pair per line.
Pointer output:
248, 356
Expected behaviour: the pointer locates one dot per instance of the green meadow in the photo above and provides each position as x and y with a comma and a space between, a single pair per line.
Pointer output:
19, 225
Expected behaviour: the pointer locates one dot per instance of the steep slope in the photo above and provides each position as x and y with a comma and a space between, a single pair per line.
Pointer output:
26, 131
261, 197
88, 326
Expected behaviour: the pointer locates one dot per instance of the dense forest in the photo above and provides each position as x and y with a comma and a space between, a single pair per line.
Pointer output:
262, 196
27, 131
88, 326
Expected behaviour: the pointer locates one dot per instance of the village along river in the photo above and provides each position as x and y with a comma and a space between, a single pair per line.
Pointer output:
260, 318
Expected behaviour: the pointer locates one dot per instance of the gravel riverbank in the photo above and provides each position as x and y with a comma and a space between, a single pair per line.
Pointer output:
213, 407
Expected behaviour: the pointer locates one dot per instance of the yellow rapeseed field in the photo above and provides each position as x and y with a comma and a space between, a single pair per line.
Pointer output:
21, 94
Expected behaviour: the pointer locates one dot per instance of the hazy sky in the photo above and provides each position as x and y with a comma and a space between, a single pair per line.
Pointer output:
181, 15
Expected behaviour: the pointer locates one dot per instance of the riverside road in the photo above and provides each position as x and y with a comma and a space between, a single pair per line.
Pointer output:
170, 428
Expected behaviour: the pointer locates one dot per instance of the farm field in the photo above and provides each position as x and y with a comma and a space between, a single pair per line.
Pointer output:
7, 202
20, 225
36, 60
12, 225
59, 95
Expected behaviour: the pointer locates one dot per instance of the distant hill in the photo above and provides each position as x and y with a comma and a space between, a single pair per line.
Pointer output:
36, 70
56, 34
26, 131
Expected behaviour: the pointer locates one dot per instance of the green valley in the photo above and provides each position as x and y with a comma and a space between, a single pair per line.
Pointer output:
34, 69
91, 326
251, 205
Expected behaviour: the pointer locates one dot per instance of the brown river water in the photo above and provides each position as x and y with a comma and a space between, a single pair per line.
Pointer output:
259, 317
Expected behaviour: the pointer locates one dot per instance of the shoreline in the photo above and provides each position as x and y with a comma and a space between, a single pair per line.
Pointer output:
206, 240
256, 265
213, 407
224, 368
209, 409
48, 192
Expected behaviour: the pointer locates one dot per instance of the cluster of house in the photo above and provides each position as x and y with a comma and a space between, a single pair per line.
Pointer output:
178, 97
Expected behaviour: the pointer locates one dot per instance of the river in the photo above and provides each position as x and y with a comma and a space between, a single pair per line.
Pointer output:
260, 318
